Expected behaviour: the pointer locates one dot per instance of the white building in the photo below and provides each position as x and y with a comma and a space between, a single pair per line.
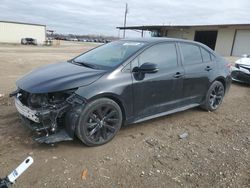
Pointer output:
226, 39
13, 32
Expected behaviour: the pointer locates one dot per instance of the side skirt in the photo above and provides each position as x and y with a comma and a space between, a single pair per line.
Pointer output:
167, 112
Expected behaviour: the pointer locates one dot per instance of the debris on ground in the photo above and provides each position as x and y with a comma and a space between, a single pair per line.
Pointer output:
152, 142
107, 158
142, 173
84, 174
184, 135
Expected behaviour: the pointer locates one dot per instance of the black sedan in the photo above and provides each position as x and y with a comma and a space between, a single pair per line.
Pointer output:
120, 83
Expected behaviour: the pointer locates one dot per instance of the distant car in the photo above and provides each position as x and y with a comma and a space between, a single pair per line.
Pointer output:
82, 40
119, 83
28, 41
241, 70
73, 39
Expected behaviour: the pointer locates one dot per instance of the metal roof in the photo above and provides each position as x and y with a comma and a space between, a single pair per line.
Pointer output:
22, 23
156, 27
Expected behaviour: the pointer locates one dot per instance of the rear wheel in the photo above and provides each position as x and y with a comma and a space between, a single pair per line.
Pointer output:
99, 122
214, 96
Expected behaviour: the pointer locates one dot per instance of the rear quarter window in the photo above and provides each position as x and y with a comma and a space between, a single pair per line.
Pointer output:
191, 53
205, 55
212, 57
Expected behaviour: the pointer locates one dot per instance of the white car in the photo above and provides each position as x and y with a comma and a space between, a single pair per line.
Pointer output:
241, 71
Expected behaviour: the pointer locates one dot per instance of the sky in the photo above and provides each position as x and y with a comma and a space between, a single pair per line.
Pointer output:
101, 17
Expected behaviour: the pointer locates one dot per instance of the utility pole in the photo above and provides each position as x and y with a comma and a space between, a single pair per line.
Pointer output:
125, 19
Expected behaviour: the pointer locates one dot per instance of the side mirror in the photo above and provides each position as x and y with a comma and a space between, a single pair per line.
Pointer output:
146, 68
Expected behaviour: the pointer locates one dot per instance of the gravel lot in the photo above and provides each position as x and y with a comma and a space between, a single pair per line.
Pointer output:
215, 153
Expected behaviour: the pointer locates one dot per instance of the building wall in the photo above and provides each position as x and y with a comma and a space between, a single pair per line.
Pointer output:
14, 32
183, 33
224, 42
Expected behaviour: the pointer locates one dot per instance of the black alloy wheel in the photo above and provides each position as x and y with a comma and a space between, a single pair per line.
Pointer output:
99, 122
214, 96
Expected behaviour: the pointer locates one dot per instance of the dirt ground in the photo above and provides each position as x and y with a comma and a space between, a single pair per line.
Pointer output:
216, 152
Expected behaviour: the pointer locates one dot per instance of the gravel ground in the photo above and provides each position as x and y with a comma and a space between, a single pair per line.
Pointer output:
215, 152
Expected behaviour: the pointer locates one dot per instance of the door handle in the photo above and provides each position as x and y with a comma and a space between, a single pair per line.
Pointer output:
178, 75
208, 68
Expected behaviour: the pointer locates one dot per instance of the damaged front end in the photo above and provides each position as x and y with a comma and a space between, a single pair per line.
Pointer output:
52, 115
241, 71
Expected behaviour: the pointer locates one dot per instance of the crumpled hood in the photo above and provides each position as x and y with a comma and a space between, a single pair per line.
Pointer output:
58, 77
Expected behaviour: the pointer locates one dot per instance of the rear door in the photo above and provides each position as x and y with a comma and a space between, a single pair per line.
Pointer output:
195, 81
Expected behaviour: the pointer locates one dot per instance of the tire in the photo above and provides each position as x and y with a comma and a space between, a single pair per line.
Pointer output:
23, 41
214, 96
99, 122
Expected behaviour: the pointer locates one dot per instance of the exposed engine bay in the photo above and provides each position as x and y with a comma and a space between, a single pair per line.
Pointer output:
52, 115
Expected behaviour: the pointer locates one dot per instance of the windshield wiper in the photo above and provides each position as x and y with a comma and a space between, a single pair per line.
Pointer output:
85, 64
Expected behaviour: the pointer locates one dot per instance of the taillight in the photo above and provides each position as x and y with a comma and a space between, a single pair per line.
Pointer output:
228, 65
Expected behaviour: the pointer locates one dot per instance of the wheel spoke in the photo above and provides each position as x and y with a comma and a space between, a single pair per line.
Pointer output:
218, 97
110, 128
110, 114
99, 113
212, 102
91, 125
94, 118
212, 96
105, 111
93, 131
104, 133
220, 92
113, 120
98, 135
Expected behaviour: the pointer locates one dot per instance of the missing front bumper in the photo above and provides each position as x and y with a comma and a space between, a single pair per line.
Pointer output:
52, 124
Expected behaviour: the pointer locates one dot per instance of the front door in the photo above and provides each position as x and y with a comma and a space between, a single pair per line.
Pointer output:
161, 91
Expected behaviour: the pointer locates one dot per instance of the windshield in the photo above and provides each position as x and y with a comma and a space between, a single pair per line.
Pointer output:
109, 55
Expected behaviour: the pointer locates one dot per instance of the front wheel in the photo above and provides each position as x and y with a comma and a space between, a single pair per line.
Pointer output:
99, 122
214, 96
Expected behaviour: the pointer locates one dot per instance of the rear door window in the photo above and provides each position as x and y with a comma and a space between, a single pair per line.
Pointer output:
191, 54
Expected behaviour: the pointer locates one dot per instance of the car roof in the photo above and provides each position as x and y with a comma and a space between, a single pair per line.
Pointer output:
156, 39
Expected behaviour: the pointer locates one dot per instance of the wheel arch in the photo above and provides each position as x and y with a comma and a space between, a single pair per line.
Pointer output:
222, 80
